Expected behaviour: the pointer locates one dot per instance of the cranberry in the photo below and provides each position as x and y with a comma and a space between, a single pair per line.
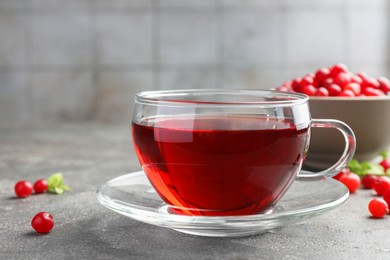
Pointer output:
370, 82
342, 79
347, 93
362, 75
42, 222
322, 92
385, 163
378, 208
334, 90
368, 181
296, 85
354, 87
321, 75
356, 79
372, 92
340, 174
386, 196
307, 80
283, 89
309, 90
40, 186
384, 84
23, 189
326, 83
351, 180
338, 68
381, 185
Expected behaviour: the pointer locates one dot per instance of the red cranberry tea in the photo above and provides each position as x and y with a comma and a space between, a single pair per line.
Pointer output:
215, 165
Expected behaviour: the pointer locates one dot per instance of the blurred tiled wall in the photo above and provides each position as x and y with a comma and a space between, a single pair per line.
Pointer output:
83, 59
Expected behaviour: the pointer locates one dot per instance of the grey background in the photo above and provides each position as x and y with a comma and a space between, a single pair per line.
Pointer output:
82, 60
69, 68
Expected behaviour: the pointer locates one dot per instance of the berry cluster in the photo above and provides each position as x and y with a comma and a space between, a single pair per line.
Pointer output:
42, 222
337, 81
370, 176
23, 188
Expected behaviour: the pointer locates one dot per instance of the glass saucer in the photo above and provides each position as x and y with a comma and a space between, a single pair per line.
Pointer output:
133, 196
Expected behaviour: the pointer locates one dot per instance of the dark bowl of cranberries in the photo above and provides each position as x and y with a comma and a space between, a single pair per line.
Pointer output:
360, 101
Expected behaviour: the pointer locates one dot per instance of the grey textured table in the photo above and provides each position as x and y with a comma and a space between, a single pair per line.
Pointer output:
91, 154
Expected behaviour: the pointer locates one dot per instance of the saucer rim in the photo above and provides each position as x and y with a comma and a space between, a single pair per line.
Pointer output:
175, 218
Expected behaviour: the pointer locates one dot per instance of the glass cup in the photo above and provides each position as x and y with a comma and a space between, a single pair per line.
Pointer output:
226, 152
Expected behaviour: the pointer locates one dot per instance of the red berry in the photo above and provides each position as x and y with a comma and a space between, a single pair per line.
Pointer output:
356, 79
283, 89
287, 83
372, 92
386, 196
337, 69
378, 208
370, 82
381, 185
385, 163
347, 93
322, 92
354, 87
23, 189
342, 79
326, 83
362, 75
351, 180
321, 75
309, 90
334, 90
368, 181
343, 172
40, 186
307, 80
384, 84
42, 222
296, 85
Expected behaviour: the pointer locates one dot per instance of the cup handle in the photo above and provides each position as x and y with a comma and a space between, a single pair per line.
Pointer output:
349, 150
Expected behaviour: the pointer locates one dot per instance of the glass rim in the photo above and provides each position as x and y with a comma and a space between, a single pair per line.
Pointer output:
159, 98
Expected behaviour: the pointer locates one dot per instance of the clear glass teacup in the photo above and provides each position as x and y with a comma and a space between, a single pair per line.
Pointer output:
226, 152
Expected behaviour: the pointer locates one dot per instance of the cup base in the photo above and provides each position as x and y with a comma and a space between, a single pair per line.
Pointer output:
173, 210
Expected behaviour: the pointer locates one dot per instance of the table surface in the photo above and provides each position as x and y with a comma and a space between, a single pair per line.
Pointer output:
91, 154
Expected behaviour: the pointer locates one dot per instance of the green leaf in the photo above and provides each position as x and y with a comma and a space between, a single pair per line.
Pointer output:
375, 169
55, 184
365, 168
354, 165
65, 187
385, 154
58, 190
55, 180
